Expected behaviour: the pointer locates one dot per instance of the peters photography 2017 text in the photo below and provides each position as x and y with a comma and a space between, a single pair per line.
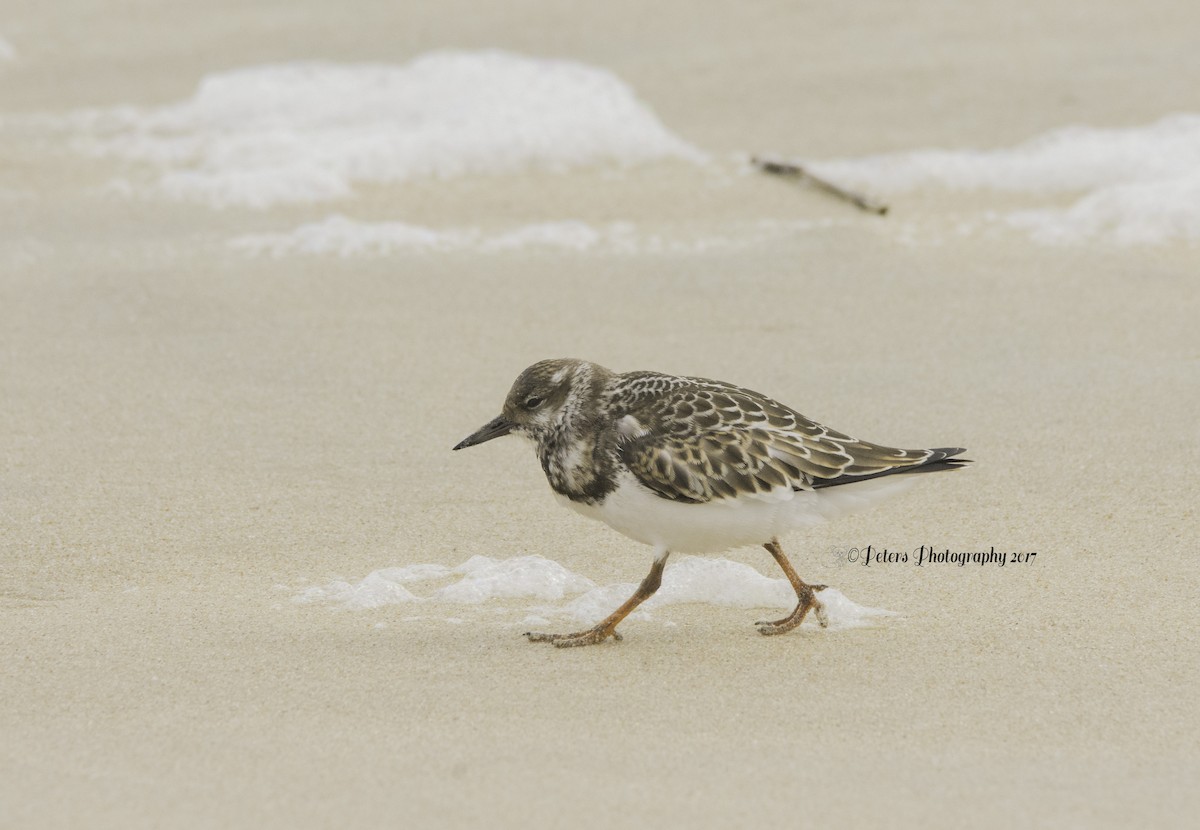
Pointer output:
926, 555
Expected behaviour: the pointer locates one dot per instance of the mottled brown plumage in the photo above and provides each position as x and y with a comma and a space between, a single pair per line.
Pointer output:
685, 463
697, 440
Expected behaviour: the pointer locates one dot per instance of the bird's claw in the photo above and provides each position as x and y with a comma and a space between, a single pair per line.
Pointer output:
807, 602
582, 638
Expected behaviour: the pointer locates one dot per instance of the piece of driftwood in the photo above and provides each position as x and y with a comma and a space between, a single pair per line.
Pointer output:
791, 170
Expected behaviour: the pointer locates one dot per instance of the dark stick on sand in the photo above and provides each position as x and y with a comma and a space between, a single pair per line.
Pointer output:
788, 170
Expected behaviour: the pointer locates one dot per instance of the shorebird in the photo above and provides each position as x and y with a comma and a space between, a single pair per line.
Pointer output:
693, 466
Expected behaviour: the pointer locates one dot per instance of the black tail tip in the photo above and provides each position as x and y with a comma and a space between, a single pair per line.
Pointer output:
946, 458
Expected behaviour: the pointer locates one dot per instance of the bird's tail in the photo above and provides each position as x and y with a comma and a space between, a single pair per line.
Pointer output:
942, 458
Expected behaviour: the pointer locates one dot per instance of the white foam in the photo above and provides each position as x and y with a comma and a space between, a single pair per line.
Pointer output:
594, 605
522, 577
691, 579
305, 132
376, 589
1140, 213
723, 582
571, 235
1138, 184
342, 236
373, 591
1073, 158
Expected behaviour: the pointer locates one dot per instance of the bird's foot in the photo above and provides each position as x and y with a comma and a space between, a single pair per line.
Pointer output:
581, 638
808, 601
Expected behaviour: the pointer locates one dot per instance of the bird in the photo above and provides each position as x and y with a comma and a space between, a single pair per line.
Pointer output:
691, 465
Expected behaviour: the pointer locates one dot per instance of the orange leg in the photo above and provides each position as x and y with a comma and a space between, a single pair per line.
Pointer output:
805, 593
607, 628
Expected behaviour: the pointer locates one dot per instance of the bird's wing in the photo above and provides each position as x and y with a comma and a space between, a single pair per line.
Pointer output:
701, 441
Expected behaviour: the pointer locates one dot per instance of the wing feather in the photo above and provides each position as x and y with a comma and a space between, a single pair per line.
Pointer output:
698, 441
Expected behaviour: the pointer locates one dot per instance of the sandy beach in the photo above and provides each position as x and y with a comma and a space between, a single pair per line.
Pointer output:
194, 432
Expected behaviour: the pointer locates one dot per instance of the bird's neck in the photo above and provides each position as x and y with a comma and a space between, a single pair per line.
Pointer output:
573, 449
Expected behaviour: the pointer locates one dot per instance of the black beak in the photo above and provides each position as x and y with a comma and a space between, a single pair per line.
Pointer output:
492, 429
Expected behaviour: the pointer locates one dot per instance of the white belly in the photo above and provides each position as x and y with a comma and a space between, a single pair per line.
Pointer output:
646, 517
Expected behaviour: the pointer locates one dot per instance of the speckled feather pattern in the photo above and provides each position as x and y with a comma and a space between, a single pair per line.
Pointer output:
698, 440
688, 440
692, 465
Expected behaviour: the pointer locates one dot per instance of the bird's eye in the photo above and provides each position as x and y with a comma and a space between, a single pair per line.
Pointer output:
533, 402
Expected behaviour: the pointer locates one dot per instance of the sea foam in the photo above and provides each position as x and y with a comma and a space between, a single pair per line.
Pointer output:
522, 577
721, 582
307, 132
565, 595
1138, 184
374, 590
341, 236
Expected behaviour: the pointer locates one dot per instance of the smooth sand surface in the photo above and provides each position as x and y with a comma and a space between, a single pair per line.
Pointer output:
184, 429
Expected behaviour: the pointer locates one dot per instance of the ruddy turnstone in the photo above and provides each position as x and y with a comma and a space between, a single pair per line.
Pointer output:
693, 465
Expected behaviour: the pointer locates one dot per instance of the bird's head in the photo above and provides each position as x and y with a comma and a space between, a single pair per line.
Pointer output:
538, 401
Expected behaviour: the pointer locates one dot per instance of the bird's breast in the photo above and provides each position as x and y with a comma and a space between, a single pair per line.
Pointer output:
577, 472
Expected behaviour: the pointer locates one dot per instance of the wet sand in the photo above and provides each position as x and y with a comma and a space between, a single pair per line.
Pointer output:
186, 429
